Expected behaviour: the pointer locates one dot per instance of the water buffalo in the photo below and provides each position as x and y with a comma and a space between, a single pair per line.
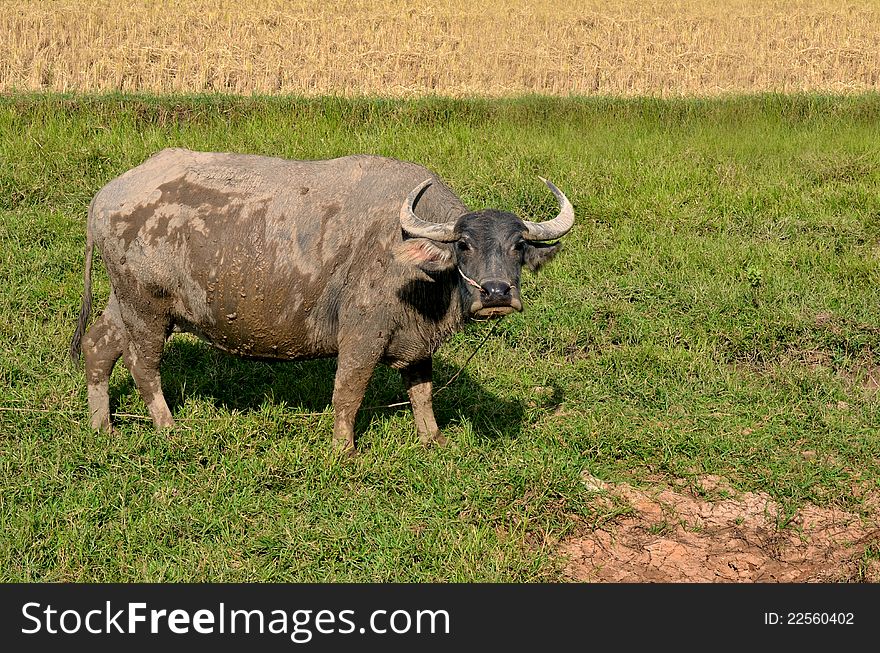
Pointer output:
277, 259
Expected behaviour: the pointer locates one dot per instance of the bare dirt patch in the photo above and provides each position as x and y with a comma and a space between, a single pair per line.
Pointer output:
674, 535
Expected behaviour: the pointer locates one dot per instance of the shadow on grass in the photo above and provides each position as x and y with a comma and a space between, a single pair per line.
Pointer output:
192, 369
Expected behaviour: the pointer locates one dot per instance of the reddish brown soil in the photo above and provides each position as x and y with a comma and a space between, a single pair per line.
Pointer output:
677, 536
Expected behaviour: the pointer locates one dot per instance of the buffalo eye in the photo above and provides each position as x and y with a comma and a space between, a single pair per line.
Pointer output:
463, 246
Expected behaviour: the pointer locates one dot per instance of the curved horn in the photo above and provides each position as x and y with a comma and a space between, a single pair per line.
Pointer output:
558, 226
415, 226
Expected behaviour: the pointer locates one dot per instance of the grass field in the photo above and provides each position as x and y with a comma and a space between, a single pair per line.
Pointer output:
451, 47
716, 310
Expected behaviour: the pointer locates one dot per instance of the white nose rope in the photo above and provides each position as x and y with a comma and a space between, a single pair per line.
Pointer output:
469, 280
474, 283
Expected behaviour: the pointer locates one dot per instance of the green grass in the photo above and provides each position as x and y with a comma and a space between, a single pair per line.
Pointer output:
716, 310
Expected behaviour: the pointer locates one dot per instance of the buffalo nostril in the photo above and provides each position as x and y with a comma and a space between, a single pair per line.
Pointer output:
496, 289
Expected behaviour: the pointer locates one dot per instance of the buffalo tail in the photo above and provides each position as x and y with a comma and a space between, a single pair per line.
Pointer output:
86, 306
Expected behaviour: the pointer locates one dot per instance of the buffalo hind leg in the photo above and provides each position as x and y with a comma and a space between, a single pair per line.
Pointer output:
417, 378
102, 346
143, 356
353, 372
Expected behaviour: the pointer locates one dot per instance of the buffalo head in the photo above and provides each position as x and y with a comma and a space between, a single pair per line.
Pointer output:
487, 247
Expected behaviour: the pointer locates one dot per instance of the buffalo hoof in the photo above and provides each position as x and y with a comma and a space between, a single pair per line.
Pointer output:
103, 426
434, 441
344, 448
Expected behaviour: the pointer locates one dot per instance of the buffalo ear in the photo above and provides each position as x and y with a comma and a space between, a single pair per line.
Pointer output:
427, 255
537, 254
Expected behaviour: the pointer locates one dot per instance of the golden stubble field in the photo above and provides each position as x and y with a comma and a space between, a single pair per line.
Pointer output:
446, 47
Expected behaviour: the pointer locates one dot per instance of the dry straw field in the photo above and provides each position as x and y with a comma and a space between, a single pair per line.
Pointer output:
446, 47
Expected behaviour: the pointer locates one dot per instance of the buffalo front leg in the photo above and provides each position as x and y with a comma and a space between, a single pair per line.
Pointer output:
417, 378
102, 346
353, 372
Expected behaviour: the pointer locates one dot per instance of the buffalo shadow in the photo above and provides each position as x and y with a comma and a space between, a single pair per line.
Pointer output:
194, 369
